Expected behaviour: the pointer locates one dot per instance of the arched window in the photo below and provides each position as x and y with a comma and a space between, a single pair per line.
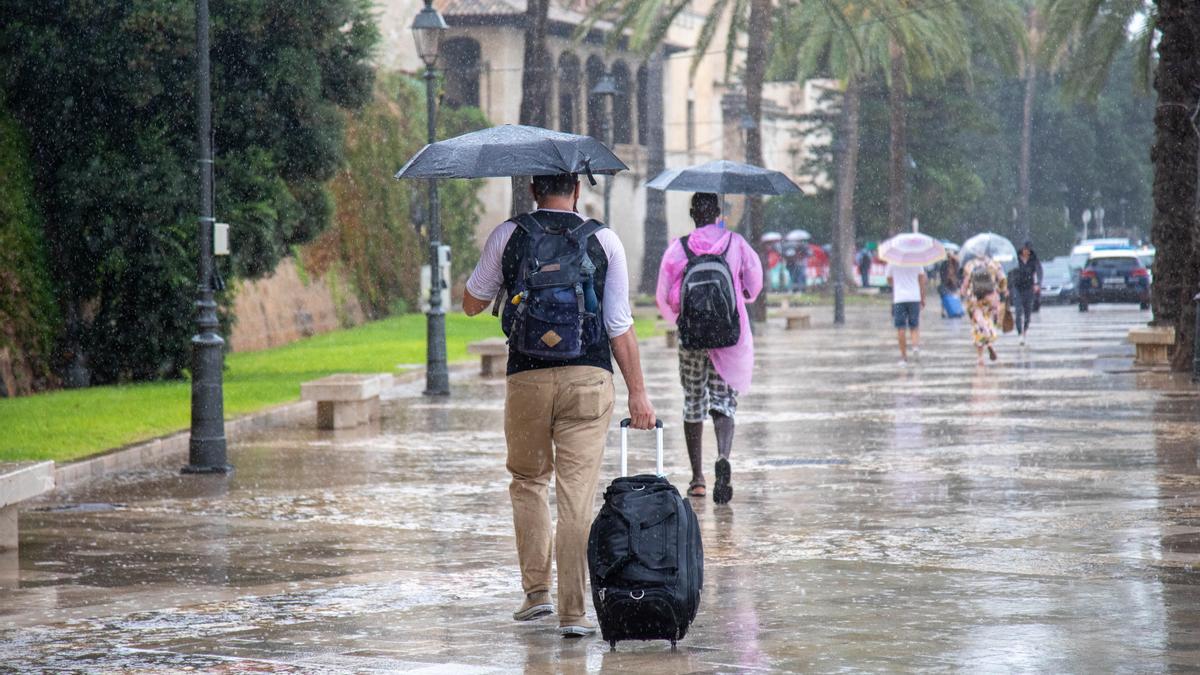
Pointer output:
643, 131
459, 58
568, 92
595, 104
622, 131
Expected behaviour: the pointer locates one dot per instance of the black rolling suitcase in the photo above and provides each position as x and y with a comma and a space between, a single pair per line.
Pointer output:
645, 556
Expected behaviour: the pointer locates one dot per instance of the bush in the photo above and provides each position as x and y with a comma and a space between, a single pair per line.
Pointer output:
27, 312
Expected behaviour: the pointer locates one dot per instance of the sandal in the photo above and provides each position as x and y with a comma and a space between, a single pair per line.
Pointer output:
697, 490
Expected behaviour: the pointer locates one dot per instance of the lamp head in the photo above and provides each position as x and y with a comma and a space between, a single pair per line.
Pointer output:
427, 29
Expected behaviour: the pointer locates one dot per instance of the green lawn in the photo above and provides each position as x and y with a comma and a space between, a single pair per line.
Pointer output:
65, 425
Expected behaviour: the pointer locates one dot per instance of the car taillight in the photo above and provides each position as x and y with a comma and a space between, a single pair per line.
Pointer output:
1140, 272
1088, 274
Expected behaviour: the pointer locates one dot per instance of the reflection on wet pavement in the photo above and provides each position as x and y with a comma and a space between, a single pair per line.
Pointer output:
1041, 514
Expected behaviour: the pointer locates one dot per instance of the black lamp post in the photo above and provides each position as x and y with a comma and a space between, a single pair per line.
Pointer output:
606, 89
837, 269
427, 29
206, 447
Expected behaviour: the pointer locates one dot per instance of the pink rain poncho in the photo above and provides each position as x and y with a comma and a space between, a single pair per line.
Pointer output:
735, 364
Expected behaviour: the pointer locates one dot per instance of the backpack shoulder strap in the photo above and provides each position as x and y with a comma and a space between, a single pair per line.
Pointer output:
687, 249
527, 222
586, 229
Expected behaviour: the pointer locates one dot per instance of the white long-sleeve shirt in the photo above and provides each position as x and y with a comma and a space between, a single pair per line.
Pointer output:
488, 277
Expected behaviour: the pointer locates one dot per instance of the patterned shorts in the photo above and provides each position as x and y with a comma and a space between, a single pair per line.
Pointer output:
703, 388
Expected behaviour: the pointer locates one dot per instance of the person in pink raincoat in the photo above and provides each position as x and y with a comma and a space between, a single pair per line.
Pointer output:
712, 378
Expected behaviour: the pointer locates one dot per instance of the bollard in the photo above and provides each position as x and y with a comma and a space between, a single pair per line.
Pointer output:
1196, 343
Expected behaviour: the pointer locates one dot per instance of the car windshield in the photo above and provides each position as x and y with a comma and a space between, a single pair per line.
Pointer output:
1056, 273
1115, 265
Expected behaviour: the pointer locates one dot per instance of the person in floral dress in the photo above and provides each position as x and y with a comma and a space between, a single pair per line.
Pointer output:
984, 284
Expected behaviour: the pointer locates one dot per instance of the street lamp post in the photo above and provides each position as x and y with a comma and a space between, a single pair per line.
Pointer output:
1124, 228
206, 446
427, 29
837, 269
606, 89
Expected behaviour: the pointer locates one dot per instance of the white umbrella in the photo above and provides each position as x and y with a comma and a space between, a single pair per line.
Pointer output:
798, 235
912, 249
771, 237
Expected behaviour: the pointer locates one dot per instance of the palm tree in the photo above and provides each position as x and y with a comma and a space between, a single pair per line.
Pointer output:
1093, 32
896, 41
535, 87
646, 23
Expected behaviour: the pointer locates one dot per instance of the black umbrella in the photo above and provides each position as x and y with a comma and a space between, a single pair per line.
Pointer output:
725, 177
511, 150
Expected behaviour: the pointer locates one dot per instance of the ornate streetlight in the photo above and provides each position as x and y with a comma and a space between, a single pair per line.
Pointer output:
206, 447
606, 88
428, 28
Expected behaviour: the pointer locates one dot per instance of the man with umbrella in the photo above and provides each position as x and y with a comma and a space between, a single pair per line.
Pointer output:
907, 255
563, 283
557, 412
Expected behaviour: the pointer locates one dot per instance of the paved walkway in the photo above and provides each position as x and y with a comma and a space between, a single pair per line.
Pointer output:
1040, 514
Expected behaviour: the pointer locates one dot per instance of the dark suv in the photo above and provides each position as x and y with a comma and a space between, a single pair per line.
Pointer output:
1114, 276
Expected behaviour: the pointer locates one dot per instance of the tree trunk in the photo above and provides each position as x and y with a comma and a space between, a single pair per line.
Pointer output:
756, 65
655, 228
535, 87
1174, 229
1033, 31
898, 220
842, 265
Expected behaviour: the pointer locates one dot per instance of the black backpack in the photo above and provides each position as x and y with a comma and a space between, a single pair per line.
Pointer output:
553, 312
646, 559
708, 312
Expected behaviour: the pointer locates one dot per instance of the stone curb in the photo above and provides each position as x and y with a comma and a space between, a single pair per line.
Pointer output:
174, 447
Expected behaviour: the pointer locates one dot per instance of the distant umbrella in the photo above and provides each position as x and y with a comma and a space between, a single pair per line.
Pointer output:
770, 237
726, 178
511, 150
950, 246
798, 235
912, 249
993, 246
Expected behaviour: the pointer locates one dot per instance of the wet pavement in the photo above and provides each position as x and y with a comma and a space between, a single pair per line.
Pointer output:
1039, 514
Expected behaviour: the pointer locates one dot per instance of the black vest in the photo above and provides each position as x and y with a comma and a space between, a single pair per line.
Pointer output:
599, 355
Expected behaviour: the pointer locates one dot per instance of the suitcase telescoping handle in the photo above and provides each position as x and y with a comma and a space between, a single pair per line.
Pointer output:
658, 432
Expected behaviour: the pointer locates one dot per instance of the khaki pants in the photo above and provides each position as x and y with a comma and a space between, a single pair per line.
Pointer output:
555, 421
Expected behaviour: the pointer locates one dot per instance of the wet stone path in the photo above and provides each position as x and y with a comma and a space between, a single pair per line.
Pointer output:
1041, 514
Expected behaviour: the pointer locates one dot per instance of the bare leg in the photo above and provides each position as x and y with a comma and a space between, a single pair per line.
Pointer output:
900, 337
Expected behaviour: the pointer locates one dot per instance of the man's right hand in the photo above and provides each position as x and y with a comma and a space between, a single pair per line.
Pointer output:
641, 412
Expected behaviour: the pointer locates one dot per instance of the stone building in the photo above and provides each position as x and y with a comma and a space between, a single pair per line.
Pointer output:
482, 57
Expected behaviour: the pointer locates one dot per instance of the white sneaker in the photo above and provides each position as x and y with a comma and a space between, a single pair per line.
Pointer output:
916, 353
1022, 340
902, 363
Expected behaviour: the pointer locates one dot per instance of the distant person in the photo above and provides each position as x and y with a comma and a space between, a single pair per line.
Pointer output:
864, 266
983, 286
1025, 282
948, 286
908, 299
559, 389
795, 254
712, 378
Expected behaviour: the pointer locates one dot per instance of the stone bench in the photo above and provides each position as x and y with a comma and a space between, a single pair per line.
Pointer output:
493, 356
671, 332
345, 400
1151, 345
20, 481
795, 318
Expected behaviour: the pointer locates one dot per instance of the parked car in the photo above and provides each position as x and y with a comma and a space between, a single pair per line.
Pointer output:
1058, 282
1114, 276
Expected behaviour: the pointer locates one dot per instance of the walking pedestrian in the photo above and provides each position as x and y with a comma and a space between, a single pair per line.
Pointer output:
1025, 282
948, 285
864, 266
795, 253
712, 378
984, 283
558, 404
908, 299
